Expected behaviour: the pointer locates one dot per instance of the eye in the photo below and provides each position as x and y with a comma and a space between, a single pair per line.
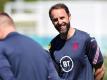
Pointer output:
62, 17
55, 19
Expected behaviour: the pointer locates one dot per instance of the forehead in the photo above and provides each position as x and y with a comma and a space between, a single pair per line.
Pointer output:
58, 12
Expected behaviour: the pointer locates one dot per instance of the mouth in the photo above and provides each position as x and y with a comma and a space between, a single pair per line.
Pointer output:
62, 28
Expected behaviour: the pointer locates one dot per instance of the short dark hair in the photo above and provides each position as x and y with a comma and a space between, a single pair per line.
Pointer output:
59, 6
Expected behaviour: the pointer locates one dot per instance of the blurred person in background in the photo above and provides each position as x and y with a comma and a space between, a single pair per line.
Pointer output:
21, 58
75, 53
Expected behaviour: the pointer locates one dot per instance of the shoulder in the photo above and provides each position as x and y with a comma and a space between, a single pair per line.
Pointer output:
82, 34
2, 46
86, 35
55, 39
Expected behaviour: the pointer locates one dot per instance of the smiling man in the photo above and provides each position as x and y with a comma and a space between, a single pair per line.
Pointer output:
75, 54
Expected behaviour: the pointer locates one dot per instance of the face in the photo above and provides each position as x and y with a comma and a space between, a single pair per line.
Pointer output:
61, 20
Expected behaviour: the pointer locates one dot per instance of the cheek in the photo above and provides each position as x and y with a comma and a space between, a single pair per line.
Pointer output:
55, 23
67, 21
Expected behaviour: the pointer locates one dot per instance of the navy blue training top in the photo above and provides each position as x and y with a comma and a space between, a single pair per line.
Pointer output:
21, 58
76, 57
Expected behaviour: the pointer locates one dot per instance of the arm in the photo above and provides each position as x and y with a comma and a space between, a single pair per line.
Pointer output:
5, 71
99, 73
95, 58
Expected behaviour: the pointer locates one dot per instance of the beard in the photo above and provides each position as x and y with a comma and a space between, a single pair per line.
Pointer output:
63, 33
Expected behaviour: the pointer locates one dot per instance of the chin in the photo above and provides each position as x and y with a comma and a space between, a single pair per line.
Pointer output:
63, 32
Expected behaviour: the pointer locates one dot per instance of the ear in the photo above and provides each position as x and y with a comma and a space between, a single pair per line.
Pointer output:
69, 16
1, 32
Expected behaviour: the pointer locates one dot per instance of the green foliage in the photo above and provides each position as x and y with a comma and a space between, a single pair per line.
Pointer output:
2, 3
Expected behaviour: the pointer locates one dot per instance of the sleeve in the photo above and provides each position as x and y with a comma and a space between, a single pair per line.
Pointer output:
5, 71
93, 52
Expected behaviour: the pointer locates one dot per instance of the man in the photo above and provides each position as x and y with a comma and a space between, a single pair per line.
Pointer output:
21, 58
76, 55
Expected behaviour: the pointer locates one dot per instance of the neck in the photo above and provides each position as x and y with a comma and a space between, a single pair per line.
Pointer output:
70, 33
7, 31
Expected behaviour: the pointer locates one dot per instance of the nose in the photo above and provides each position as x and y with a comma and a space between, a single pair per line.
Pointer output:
59, 21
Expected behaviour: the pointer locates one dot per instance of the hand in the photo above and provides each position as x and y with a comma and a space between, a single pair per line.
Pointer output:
99, 73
